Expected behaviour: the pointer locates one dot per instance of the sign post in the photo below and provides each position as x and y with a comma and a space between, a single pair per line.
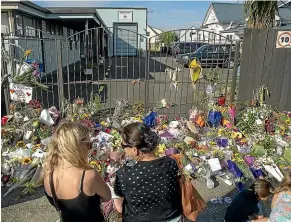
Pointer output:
283, 39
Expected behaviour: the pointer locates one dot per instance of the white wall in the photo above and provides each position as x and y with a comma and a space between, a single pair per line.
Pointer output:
110, 16
154, 36
211, 18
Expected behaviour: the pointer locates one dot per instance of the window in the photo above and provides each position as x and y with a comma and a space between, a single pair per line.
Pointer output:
59, 30
148, 33
199, 36
4, 22
50, 28
71, 44
19, 24
68, 32
29, 26
76, 36
229, 36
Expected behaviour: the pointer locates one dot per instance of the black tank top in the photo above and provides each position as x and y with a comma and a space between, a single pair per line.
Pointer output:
79, 209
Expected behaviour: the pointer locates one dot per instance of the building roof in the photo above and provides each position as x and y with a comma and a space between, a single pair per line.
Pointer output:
75, 10
137, 8
227, 12
285, 13
155, 29
234, 12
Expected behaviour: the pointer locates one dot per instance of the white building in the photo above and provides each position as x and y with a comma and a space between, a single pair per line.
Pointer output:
228, 20
153, 37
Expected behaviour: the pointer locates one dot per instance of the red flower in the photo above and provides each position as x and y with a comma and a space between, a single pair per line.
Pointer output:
4, 120
221, 100
94, 153
107, 130
5, 178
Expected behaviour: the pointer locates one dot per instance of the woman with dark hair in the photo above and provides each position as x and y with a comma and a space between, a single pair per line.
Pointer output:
147, 184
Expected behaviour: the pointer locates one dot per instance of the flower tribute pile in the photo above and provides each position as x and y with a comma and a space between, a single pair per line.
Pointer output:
233, 147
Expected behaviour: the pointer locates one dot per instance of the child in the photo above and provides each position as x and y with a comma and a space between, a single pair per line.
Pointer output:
281, 203
245, 205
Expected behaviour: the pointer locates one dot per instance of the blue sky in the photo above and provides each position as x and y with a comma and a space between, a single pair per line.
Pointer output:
165, 15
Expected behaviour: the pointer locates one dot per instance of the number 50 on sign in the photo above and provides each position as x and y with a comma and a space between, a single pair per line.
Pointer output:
283, 39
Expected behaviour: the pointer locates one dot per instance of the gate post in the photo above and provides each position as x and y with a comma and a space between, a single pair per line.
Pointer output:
147, 74
60, 74
235, 68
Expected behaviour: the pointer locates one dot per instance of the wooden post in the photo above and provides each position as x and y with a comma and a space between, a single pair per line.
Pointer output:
235, 68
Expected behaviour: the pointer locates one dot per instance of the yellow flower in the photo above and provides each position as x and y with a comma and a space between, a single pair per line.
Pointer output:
26, 161
28, 52
138, 118
161, 148
35, 147
113, 131
96, 165
165, 126
86, 115
220, 132
236, 135
212, 143
103, 123
20, 144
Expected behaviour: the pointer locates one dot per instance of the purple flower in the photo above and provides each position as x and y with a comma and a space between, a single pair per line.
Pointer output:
171, 151
232, 167
36, 73
256, 172
249, 160
222, 142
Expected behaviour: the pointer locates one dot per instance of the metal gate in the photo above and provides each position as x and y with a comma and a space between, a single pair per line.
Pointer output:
170, 54
119, 64
109, 62
45, 51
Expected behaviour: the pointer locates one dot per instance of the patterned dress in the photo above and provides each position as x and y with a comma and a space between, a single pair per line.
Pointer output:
282, 209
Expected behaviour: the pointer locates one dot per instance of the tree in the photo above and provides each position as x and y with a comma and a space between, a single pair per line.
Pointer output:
168, 38
261, 14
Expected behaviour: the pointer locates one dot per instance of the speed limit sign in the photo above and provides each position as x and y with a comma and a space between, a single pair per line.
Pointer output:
283, 39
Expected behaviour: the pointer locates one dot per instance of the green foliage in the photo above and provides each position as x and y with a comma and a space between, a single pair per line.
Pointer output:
168, 38
212, 75
261, 14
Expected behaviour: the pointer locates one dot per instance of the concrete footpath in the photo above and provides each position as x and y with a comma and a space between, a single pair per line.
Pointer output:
36, 208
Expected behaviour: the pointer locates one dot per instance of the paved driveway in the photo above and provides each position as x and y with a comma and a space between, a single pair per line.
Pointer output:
151, 83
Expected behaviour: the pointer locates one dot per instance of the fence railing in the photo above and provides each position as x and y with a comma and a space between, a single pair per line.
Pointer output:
120, 64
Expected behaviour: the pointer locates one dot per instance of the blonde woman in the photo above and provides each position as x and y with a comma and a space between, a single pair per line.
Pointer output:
281, 203
73, 187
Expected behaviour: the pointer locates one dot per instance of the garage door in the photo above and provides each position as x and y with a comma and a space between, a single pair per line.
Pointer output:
125, 40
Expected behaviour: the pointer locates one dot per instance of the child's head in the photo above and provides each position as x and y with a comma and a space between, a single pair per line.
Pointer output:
262, 188
137, 138
285, 185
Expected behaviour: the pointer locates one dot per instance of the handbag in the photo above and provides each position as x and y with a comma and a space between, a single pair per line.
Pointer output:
192, 202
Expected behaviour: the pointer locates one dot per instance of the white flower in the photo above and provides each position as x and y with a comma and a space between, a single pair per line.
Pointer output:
259, 122
164, 102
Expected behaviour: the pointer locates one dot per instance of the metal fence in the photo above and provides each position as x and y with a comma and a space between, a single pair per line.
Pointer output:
119, 64
264, 64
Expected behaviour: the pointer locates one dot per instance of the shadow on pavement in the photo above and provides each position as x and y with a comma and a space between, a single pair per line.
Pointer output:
14, 197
